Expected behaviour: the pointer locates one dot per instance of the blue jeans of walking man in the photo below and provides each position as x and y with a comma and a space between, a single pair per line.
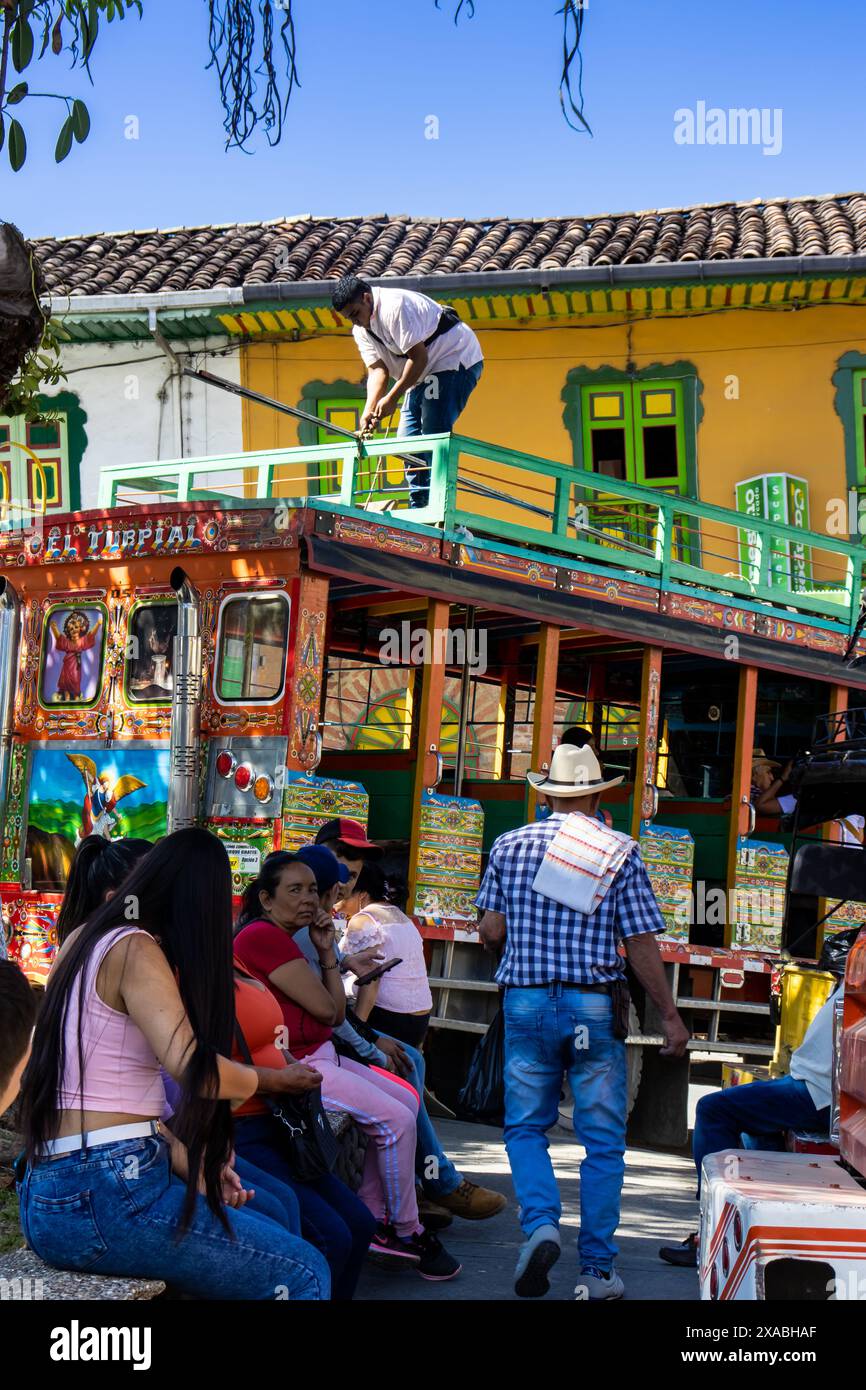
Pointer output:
432, 407
550, 1030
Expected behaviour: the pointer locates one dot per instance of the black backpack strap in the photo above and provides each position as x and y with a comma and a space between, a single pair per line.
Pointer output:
449, 319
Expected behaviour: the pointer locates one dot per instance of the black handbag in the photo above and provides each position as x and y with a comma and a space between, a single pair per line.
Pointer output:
302, 1131
483, 1096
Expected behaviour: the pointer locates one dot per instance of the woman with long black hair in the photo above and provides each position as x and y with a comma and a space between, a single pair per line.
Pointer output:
98, 869
95, 875
147, 981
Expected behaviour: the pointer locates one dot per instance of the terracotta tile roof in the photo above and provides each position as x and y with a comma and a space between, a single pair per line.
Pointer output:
323, 248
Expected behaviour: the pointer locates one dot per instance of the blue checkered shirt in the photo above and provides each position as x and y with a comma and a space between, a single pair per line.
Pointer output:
547, 941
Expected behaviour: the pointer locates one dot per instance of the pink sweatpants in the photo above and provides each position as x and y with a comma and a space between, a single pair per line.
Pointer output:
387, 1113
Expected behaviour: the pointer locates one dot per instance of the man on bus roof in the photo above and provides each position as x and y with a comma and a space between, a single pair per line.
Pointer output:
428, 354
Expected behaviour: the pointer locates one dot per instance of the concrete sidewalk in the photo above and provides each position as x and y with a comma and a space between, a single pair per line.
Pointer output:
658, 1208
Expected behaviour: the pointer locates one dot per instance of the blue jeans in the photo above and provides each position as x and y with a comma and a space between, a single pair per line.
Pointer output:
549, 1030
273, 1198
117, 1210
432, 407
331, 1217
433, 1168
762, 1109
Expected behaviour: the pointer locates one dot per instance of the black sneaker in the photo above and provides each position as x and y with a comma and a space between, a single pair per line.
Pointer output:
685, 1254
434, 1262
390, 1250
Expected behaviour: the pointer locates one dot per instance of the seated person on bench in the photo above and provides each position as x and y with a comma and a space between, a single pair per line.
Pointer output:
17, 1017
763, 1110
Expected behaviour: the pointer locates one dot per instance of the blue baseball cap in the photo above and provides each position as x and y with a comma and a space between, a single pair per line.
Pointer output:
325, 865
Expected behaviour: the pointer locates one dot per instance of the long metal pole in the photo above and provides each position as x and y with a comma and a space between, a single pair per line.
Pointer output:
258, 399
465, 691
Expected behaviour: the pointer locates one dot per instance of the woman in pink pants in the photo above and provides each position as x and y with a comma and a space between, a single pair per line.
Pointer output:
282, 900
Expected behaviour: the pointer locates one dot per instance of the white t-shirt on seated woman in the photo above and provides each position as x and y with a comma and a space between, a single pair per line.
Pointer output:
405, 989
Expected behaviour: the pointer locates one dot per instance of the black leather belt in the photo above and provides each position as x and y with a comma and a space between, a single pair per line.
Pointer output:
602, 988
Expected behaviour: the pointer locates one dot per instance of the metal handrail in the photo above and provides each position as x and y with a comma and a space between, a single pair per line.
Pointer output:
676, 527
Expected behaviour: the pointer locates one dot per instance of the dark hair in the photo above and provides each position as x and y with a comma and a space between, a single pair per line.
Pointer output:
349, 288
577, 737
17, 1015
381, 887
184, 896
99, 866
266, 881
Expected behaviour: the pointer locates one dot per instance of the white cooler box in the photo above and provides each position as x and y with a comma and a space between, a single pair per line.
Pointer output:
781, 1226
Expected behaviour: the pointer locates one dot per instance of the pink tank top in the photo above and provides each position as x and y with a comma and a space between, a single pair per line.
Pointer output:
121, 1073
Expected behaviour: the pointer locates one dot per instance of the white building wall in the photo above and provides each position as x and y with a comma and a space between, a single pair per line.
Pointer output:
131, 403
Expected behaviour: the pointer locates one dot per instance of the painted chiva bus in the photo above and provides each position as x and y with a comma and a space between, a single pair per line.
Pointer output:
221, 643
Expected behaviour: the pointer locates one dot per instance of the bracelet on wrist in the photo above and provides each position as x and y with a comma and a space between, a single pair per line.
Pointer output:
335, 966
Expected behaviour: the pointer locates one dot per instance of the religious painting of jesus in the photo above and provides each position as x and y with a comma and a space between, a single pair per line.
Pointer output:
72, 656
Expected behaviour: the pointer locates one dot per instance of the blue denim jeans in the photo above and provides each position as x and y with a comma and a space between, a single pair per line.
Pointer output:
433, 1168
331, 1217
762, 1110
432, 407
117, 1210
550, 1030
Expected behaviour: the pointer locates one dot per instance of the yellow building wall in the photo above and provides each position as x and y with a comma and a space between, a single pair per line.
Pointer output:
776, 415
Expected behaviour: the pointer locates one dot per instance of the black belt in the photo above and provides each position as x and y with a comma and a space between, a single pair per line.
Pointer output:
569, 984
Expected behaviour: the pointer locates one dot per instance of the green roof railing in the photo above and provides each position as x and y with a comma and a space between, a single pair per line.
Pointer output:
559, 514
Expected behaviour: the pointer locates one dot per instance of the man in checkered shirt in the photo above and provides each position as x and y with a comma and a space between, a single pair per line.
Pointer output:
558, 966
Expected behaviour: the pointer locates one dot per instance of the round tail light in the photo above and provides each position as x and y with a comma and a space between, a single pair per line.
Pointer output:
738, 1231
714, 1282
225, 763
263, 788
243, 777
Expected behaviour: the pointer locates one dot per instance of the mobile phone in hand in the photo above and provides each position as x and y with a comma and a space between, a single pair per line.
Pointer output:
379, 971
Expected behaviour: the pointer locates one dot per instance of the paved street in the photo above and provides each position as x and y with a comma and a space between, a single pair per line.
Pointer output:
658, 1206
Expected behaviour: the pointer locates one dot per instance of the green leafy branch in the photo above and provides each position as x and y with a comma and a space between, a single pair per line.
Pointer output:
58, 26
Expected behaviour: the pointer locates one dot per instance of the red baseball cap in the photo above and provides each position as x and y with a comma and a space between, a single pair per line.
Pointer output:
350, 833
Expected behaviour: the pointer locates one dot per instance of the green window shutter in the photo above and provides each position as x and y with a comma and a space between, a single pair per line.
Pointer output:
660, 453
608, 436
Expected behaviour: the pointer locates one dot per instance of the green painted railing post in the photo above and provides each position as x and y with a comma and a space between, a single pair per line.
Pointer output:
854, 586
664, 541
448, 463
561, 506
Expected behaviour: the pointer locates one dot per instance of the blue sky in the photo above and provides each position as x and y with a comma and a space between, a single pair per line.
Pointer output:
372, 73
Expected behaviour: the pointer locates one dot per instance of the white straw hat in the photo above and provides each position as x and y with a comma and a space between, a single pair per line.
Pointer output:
573, 772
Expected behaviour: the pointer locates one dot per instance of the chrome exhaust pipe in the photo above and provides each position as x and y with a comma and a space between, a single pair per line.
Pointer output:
10, 643
184, 758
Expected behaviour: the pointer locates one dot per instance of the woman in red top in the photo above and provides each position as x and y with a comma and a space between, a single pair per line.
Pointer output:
281, 901
331, 1217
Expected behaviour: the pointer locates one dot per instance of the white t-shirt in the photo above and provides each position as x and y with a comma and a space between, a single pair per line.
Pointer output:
405, 989
812, 1062
403, 319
